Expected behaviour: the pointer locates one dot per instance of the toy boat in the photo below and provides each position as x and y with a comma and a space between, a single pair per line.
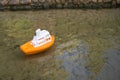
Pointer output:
40, 43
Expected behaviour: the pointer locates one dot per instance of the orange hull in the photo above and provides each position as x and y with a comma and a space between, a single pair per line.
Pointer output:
29, 49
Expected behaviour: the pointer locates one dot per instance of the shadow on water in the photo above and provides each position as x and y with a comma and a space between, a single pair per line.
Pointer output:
73, 59
112, 57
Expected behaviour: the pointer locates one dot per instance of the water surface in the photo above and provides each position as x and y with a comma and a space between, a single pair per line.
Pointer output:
87, 45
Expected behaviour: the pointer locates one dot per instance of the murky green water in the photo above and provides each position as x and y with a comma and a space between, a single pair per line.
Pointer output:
87, 45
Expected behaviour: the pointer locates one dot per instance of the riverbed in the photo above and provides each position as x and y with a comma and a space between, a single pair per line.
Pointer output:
87, 45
